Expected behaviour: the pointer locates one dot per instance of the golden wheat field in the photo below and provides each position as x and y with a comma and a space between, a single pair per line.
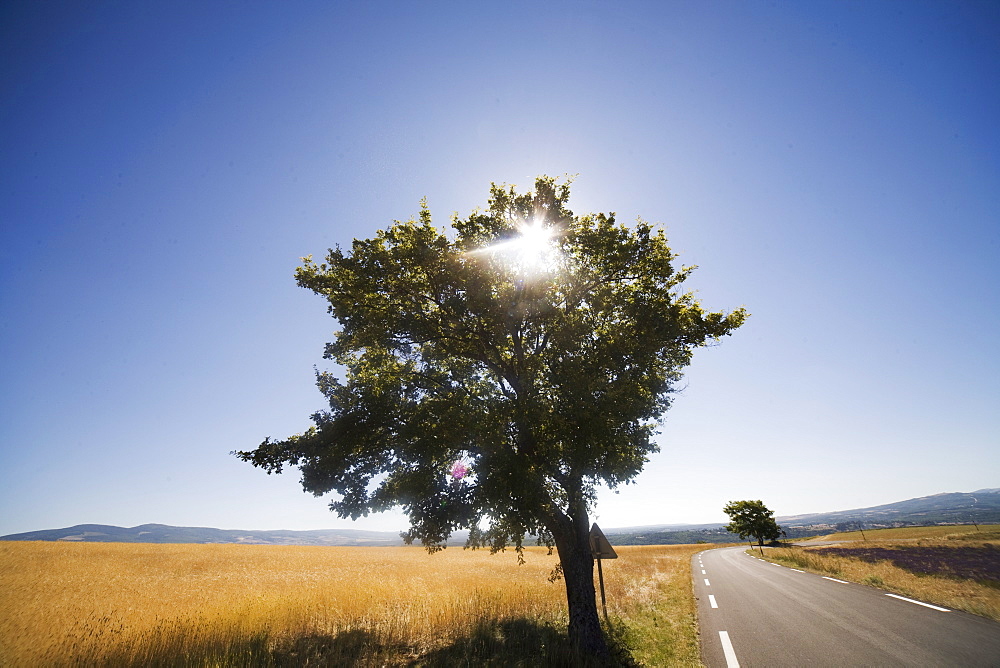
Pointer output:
251, 605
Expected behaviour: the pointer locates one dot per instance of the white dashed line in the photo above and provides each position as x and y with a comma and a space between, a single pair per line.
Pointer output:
707, 583
727, 649
797, 570
711, 601
926, 605
834, 580
703, 571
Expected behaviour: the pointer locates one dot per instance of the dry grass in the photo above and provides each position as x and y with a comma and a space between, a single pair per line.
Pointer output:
909, 533
200, 605
981, 598
650, 592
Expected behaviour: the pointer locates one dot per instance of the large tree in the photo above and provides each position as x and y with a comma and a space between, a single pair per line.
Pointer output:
495, 375
752, 519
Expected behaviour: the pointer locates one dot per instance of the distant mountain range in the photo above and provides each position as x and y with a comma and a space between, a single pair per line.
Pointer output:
162, 533
981, 506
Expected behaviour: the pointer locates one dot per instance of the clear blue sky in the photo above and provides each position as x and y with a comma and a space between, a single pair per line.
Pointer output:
835, 167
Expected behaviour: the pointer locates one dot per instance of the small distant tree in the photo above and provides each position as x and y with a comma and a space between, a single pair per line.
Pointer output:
496, 374
752, 519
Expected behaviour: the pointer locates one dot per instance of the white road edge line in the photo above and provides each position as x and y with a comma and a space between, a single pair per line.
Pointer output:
703, 571
926, 605
727, 649
707, 583
797, 570
834, 580
711, 601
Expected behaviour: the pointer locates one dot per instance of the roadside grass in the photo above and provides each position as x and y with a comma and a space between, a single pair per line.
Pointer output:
658, 621
116, 604
907, 533
933, 566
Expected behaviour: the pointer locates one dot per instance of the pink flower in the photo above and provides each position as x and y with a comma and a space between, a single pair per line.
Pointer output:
459, 470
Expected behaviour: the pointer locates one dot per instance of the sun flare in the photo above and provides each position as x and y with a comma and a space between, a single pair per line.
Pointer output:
532, 251
534, 244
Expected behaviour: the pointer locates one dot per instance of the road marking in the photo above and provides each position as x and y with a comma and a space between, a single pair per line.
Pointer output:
711, 601
926, 605
707, 583
727, 649
834, 580
797, 570
773, 564
703, 571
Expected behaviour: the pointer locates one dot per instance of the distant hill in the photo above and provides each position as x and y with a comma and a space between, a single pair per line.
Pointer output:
982, 506
161, 533
661, 528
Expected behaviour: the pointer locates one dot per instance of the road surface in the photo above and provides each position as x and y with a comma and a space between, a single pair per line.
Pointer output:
754, 613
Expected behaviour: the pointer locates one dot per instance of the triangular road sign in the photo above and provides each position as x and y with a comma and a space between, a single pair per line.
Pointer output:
600, 548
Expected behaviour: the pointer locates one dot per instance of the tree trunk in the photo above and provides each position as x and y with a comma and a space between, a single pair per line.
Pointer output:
573, 544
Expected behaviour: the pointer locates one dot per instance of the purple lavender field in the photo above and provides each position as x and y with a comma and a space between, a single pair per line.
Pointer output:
976, 563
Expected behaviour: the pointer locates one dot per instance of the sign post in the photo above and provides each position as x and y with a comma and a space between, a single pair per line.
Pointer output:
600, 548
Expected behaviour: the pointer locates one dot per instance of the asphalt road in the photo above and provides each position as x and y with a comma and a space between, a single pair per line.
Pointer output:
754, 613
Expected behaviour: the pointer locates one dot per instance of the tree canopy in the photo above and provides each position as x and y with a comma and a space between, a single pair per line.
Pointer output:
752, 519
495, 375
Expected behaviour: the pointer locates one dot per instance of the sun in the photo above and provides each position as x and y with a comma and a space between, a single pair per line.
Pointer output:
532, 251
534, 247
